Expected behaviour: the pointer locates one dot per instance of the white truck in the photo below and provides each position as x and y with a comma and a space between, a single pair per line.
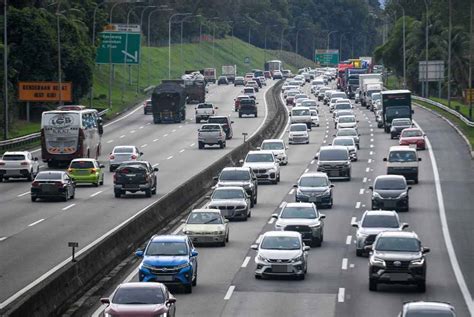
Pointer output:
230, 71
369, 81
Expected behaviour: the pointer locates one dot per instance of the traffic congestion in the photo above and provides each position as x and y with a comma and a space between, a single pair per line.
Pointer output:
334, 170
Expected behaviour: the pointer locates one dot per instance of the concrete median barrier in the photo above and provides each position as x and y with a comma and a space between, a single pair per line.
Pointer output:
53, 295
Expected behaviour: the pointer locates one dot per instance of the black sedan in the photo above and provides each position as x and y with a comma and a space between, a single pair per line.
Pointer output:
222, 80
53, 184
390, 192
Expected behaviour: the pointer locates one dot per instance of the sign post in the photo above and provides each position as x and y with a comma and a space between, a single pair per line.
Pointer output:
431, 71
327, 57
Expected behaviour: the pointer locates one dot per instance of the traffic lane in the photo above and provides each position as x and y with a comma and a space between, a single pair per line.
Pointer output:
423, 219
456, 171
86, 226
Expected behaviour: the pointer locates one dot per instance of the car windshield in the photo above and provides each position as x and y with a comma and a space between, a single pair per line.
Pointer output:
138, 296
212, 127
264, 157
280, 243
411, 133
339, 95
313, 181
346, 133
49, 176
308, 103
342, 106
217, 120
345, 142
166, 248
204, 218
346, 119
333, 155
248, 91
82, 164
298, 212
422, 312
234, 176
398, 123
376, 97
228, 194
390, 184
341, 113
273, 146
398, 244
13, 157
299, 127
402, 156
123, 150
380, 221
204, 105
300, 112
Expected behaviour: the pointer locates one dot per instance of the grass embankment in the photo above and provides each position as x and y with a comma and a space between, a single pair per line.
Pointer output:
154, 68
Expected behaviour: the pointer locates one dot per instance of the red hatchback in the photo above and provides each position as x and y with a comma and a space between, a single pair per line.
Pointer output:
140, 299
413, 136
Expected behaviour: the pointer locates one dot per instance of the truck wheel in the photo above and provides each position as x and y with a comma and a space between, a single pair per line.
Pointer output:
240, 115
148, 193
200, 145
198, 120
117, 194
372, 285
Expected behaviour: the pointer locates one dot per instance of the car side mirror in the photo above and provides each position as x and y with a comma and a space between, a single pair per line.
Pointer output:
232, 122
426, 250
405, 225
170, 301
371, 187
156, 169
419, 159
368, 248
105, 300
295, 185
254, 247
102, 166
100, 128
199, 130
141, 153
306, 248
413, 111
216, 108
259, 148
139, 253
331, 186
241, 161
35, 159
409, 188
322, 216
226, 220
275, 216
355, 225
194, 253
316, 156
183, 220
208, 197
385, 159
215, 178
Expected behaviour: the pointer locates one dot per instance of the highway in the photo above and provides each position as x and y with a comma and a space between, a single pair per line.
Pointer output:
337, 280
34, 236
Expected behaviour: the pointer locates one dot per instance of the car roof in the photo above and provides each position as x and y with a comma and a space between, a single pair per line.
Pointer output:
299, 204
169, 238
429, 305
281, 234
412, 129
398, 234
314, 174
346, 129
141, 285
344, 137
217, 211
261, 152
300, 108
347, 115
379, 213
84, 159
333, 147
16, 153
241, 168
391, 176
124, 146
401, 148
298, 124
229, 188
273, 140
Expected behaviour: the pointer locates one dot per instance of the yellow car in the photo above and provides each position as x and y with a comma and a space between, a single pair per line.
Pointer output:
86, 171
207, 226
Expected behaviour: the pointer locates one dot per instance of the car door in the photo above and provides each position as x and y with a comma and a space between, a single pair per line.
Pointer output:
69, 185
192, 258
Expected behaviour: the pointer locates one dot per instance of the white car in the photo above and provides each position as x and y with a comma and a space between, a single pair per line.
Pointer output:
314, 117
281, 253
310, 103
340, 113
298, 134
206, 226
123, 153
300, 115
249, 91
332, 103
348, 142
347, 122
18, 165
264, 164
278, 147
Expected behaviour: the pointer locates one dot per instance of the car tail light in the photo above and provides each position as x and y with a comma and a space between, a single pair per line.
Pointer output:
115, 177
112, 157
24, 163
59, 184
69, 170
35, 184
93, 171
2, 163
134, 157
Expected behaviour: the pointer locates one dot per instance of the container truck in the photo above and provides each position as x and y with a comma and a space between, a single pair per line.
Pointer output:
168, 102
364, 81
395, 104
230, 72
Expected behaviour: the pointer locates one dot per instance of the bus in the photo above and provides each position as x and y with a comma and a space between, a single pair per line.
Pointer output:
273, 65
69, 133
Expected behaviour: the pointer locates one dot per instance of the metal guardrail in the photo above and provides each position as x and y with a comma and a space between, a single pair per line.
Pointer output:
447, 109
30, 138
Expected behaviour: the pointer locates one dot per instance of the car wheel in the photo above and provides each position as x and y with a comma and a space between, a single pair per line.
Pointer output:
227, 237
65, 197
258, 277
30, 176
96, 184
223, 243
274, 182
198, 121
111, 169
249, 214
372, 285
421, 286
102, 180
153, 191
301, 277
33, 198
148, 193
188, 289
240, 115
73, 194
416, 180
278, 179
195, 280
359, 252
117, 194
221, 145
316, 243
201, 145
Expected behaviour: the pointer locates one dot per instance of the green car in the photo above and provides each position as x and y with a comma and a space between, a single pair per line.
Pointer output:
86, 171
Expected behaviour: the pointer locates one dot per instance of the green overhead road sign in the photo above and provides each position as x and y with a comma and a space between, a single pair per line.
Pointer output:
112, 48
327, 57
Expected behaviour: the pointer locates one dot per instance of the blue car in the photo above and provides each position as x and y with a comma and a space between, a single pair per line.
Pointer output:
169, 259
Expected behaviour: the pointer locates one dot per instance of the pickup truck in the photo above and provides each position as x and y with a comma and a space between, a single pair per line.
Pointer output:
204, 111
248, 107
211, 134
135, 176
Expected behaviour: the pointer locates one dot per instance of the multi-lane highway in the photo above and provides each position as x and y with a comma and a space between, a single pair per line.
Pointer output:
337, 280
34, 236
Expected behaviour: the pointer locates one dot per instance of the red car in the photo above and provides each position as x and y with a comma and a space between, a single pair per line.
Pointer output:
140, 299
413, 136
267, 74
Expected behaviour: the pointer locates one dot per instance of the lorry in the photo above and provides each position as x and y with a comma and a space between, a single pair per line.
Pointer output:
168, 102
210, 75
230, 71
352, 80
364, 81
395, 104
273, 66
195, 87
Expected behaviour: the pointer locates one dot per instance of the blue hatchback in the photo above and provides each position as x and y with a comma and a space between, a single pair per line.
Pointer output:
169, 259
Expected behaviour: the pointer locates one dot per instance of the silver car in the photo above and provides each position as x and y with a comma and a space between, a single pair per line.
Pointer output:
281, 254
298, 134
211, 134
372, 223
233, 202
303, 218
18, 165
350, 132
123, 153
349, 143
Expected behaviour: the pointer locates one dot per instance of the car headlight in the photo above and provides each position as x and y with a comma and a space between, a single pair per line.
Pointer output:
182, 266
326, 192
402, 195
218, 232
279, 227
272, 170
361, 235
348, 163
187, 232
418, 262
261, 258
376, 261
376, 195
297, 259
315, 225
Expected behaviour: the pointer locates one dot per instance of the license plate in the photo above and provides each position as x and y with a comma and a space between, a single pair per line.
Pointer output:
390, 204
333, 173
164, 278
398, 277
280, 268
48, 188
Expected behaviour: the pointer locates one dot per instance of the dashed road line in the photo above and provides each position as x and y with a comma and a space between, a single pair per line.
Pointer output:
68, 207
165, 135
271, 221
351, 265
141, 127
364, 180
174, 130
358, 205
344, 264
291, 191
353, 220
371, 146
3, 239
181, 151
95, 194
21, 195
228, 295
36, 222
110, 141
371, 140
145, 145
361, 191
177, 230
192, 144
369, 161
348, 240
282, 204
306, 170
259, 239
169, 157
246, 261
155, 140
312, 162
371, 153
133, 131
340, 294
154, 165
122, 136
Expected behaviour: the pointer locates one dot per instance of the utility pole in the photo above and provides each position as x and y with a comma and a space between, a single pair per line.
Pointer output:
449, 51
5, 70
58, 29
471, 48
426, 92
169, 39
404, 48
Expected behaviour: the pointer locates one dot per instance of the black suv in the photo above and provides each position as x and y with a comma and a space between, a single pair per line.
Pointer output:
390, 192
397, 258
135, 176
248, 107
334, 161
240, 176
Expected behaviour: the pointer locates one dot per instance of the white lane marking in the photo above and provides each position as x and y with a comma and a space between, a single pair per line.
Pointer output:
371, 140
312, 162
180, 126
165, 135
306, 170
95, 194
259, 239
344, 264
291, 191
145, 145
181, 151
110, 141
246, 261
367, 169
351, 265
174, 130
371, 134
371, 130
348, 239
193, 144
68, 207
229, 292
340, 295
155, 140
169, 157
369, 161
364, 180
148, 123
3, 239
361, 191
122, 136
371, 153
21, 195
370, 125
358, 205
156, 164
141, 127
125, 116
36, 222
177, 230
282, 204
353, 220
133, 131
447, 236
271, 221
371, 146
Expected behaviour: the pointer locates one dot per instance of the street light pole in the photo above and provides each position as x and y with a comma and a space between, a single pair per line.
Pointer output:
404, 48
5, 70
471, 95
148, 37
111, 66
58, 29
140, 64
169, 39
426, 83
329, 34
449, 51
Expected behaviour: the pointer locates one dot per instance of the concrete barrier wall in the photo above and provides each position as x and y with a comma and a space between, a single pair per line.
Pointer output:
53, 295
